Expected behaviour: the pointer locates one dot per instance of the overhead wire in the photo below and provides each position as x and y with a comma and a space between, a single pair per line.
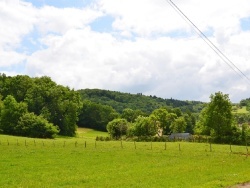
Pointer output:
209, 42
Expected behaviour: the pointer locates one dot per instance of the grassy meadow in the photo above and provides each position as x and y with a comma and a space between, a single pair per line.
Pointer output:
83, 162
242, 110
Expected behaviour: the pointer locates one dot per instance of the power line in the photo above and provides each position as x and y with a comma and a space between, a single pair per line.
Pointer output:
209, 42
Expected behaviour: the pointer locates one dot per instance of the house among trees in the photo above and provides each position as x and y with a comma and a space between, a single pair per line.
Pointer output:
180, 136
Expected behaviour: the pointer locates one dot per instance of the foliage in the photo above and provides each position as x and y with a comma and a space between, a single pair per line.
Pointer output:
130, 115
245, 134
96, 116
178, 125
217, 117
147, 104
144, 126
161, 116
117, 128
190, 122
35, 126
11, 112
58, 104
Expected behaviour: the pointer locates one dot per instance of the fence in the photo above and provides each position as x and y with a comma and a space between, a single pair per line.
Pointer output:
93, 144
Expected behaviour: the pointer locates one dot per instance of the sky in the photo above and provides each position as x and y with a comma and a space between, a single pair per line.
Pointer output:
141, 46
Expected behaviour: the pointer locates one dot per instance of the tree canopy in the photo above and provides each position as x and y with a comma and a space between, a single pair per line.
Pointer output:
217, 117
57, 104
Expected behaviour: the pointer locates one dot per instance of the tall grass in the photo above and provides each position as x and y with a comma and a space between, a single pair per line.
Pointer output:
83, 162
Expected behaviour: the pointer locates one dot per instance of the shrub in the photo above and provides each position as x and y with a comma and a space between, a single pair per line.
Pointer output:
35, 126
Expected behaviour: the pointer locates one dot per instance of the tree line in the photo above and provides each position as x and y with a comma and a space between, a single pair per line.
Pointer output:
216, 121
119, 101
38, 107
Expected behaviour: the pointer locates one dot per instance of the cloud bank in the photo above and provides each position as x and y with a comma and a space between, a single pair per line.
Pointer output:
139, 46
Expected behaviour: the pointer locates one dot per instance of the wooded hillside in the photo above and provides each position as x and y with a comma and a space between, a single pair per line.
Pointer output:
120, 101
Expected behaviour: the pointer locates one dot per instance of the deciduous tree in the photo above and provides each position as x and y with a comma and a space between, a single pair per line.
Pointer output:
218, 116
117, 128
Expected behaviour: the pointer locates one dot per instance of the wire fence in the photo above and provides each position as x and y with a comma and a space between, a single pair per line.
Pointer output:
131, 145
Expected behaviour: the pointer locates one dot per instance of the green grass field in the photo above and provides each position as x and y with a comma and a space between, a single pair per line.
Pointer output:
242, 110
66, 162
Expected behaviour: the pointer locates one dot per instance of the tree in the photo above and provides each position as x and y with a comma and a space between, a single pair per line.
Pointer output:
178, 125
58, 104
117, 128
35, 126
130, 115
170, 119
11, 111
190, 120
218, 117
144, 126
245, 133
161, 116
96, 116
17, 86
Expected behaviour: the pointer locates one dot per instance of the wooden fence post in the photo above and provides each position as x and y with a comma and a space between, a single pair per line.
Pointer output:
246, 149
151, 144
121, 144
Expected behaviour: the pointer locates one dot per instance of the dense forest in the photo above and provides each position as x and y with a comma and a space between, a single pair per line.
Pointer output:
119, 101
38, 107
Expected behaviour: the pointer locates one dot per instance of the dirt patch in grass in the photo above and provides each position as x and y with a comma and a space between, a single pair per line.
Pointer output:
243, 185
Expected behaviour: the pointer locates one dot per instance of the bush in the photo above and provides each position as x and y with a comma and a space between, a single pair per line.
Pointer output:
35, 126
102, 138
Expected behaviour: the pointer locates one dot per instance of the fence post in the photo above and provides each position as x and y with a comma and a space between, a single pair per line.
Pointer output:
246, 149
151, 144
134, 144
121, 144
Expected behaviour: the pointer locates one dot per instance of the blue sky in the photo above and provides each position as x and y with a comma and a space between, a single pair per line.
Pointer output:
60, 3
131, 46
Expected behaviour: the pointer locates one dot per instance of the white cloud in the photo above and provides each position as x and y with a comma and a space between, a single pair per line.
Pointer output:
52, 19
17, 20
150, 50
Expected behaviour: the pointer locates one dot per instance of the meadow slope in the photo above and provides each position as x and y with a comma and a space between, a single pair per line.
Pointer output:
83, 162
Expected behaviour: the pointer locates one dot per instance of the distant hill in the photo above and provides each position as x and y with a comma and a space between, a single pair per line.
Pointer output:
120, 101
